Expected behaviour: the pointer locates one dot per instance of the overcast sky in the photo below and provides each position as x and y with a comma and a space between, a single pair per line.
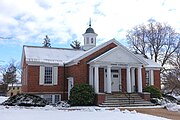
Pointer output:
26, 22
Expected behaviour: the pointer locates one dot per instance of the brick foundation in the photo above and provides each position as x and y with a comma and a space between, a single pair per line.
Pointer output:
100, 98
145, 95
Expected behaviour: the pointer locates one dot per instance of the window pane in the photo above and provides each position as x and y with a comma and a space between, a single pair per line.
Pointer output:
48, 75
57, 99
115, 76
91, 40
147, 78
48, 98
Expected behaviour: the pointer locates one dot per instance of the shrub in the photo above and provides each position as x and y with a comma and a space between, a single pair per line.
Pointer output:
25, 100
155, 92
82, 95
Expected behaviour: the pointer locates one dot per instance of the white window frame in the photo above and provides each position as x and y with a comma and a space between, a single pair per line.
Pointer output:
148, 82
54, 75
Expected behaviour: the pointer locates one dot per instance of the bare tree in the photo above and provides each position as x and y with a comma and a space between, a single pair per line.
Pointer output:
76, 45
175, 60
157, 40
172, 76
171, 81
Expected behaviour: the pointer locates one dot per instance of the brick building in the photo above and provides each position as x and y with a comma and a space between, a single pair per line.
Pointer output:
109, 67
14, 89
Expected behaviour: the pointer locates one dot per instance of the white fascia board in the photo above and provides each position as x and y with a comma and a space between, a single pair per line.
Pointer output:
22, 57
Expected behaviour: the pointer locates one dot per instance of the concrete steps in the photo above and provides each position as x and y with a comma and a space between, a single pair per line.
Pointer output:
124, 100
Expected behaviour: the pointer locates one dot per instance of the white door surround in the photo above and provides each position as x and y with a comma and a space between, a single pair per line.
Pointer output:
115, 80
115, 84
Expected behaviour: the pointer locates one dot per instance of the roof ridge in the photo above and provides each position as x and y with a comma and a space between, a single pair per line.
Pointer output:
52, 48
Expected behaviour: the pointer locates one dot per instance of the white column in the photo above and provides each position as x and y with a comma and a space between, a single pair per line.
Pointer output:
91, 75
133, 79
108, 82
152, 77
139, 80
96, 79
128, 79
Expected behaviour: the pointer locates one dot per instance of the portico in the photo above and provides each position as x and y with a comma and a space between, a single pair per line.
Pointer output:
121, 69
113, 78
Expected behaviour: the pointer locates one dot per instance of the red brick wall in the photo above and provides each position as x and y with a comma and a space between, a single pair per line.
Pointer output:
33, 81
23, 77
101, 80
100, 98
157, 81
123, 80
143, 77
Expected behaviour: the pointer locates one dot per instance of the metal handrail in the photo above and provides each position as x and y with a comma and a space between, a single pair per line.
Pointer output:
127, 95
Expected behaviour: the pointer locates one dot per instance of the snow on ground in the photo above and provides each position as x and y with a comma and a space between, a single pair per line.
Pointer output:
2, 99
177, 97
90, 113
173, 107
71, 113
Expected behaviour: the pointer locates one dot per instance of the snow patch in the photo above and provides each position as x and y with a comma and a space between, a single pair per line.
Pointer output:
3, 98
172, 107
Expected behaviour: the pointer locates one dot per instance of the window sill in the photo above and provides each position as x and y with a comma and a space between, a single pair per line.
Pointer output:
47, 84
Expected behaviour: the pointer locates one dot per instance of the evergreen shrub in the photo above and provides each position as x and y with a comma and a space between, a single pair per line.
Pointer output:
82, 95
155, 92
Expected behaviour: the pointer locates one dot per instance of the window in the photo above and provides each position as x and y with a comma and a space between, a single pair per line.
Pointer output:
52, 99
91, 40
115, 76
48, 75
48, 98
147, 78
56, 98
87, 40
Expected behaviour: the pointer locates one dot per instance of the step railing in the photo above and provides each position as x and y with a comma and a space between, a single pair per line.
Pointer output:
127, 95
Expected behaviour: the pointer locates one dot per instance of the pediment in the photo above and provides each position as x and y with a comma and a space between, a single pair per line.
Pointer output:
118, 55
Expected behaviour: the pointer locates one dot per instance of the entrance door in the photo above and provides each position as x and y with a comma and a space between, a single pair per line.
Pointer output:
115, 83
